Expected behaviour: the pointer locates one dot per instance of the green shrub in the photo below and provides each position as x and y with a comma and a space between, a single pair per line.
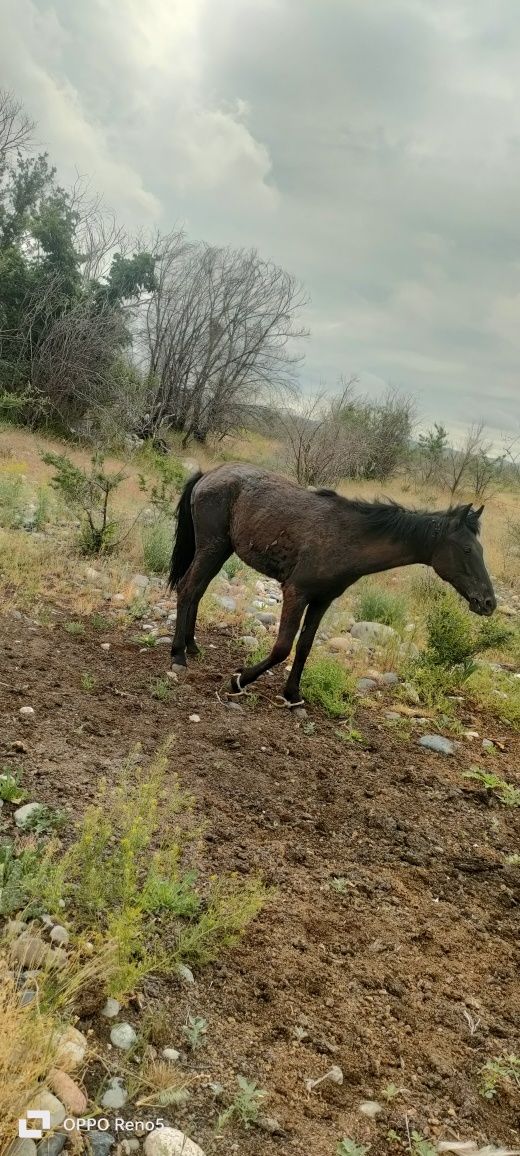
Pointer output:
496, 691
126, 863
157, 542
171, 476
88, 494
374, 604
454, 638
232, 567
12, 500
326, 683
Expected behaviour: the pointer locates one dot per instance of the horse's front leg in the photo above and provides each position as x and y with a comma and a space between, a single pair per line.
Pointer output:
293, 606
313, 617
204, 567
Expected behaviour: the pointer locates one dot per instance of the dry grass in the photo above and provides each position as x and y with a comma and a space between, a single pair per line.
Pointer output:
26, 1054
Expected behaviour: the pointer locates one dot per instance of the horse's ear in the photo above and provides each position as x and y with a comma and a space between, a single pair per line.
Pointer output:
478, 513
464, 512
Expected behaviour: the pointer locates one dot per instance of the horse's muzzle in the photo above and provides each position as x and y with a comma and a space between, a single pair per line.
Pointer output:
483, 606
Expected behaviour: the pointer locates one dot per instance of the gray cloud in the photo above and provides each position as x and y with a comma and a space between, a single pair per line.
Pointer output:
372, 149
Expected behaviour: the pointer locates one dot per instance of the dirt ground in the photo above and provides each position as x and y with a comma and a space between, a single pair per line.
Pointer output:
408, 975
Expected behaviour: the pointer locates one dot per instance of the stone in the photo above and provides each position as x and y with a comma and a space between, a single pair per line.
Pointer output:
344, 644
26, 711
437, 743
373, 633
170, 1142
44, 1101
488, 745
249, 642
195, 718
111, 1008
60, 935
22, 1147
366, 684
105, 646
92, 575
71, 1049
184, 972
266, 618
140, 581
29, 951
171, 1054
100, 1142
164, 640
68, 1092
123, 1036
390, 678
226, 602
116, 1095
52, 1145
23, 814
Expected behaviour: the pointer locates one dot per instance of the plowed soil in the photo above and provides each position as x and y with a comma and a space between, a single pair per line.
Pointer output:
406, 975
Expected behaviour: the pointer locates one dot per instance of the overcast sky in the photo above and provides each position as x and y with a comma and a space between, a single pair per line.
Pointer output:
372, 147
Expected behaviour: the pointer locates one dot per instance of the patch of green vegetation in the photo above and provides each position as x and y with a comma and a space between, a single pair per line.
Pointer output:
42, 508
232, 567
506, 792
88, 682
138, 609
10, 789
161, 688
375, 604
148, 640
422, 1147
76, 628
245, 1108
194, 1031
12, 501
17, 870
348, 1147
497, 691
157, 540
88, 493
171, 477
99, 621
326, 683
454, 640
501, 1071
127, 862
45, 820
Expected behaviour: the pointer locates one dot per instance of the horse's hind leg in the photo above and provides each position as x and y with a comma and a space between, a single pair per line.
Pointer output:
293, 606
206, 564
313, 617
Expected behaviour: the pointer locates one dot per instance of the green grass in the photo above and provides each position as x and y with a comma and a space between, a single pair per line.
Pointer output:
506, 792
157, 542
500, 1072
99, 621
10, 789
12, 502
498, 692
88, 682
245, 1107
161, 689
326, 683
232, 567
374, 604
76, 628
348, 1147
126, 863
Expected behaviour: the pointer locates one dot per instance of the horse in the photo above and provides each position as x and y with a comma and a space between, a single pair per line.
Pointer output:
316, 543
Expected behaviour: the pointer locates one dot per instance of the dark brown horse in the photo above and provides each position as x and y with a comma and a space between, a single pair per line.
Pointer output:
315, 543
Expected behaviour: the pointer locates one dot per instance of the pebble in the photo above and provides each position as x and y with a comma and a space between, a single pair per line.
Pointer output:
92, 575
22, 814
29, 951
171, 1054
184, 972
26, 711
170, 1142
372, 632
52, 1145
140, 581
111, 1008
195, 718
68, 1092
437, 743
123, 1036
105, 646
71, 1049
488, 745
116, 1095
266, 618
390, 678
100, 1142
22, 1148
364, 684
60, 935
164, 640
249, 641
44, 1101
344, 644
226, 602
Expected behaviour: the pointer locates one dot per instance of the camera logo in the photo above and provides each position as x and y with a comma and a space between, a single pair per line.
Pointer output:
44, 1121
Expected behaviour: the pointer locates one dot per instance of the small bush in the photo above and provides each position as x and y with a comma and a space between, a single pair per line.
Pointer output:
496, 691
10, 789
451, 639
501, 1072
88, 493
506, 792
377, 605
12, 501
327, 684
232, 567
127, 862
157, 542
246, 1105
164, 493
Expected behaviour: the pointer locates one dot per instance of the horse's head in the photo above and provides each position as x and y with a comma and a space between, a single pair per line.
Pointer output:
459, 559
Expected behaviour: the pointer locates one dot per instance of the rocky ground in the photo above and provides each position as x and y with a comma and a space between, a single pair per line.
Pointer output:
382, 976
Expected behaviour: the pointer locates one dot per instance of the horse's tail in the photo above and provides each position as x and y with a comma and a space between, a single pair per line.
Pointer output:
184, 544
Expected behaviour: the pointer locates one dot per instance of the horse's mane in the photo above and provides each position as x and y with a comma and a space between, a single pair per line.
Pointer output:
424, 527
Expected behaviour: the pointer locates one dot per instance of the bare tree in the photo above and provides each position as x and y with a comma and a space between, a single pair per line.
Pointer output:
221, 330
16, 127
318, 451
473, 466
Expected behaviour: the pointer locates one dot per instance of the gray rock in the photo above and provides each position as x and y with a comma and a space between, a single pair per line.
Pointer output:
23, 814
365, 684
45, 1101
393, 715
60, 936
226, 602
372, 633
184, 972
488, 745
111, 1008
249, 641
344, 644
100, 1142
26, 711
140, 581
116, 1095
171, 1054
52, 1145
170, 1142
22, 1148
164, 640
28, 997
266, 618
437, 743
29, 951
123, 1036
390, 678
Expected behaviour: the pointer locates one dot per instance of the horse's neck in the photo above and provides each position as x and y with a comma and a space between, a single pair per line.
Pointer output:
386, 554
